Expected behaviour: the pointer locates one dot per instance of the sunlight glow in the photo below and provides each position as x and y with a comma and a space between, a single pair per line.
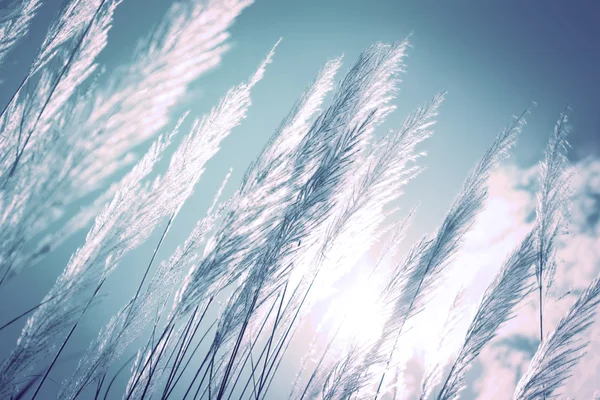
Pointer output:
356, 308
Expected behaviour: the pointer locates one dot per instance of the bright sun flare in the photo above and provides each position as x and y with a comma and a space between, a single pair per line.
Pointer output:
356, 308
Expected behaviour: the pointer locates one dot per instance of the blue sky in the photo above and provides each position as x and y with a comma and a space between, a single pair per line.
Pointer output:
493, 58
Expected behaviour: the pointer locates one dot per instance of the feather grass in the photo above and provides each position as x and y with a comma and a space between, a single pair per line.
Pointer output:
561, 350
551, 209
317, 198
509, 287
87, 266
95, 130
15, 19
428, 259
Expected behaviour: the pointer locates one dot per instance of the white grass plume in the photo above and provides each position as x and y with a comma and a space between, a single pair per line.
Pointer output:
405, 140
312, 206
431, 257
28, 151
48, 324
168, 191
511, 284
56, 85
295, 126
379, 182
62, 41
135, 103
551, 209
461, 215
259, 198
128, 324
358, 223
73, 18
335, 141
99, 128
15, 18
361, 205
75, 63
561, 349
166, 194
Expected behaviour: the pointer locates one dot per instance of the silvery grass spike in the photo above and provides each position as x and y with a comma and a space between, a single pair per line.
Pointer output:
311, 207
362, 209
62, 40
329, 175
86, 267
15, 18
387, 169
362, 213
259, 198
167, 193
103, 124
551, 210
384, 62
74, 52
294, 126
28, 146
423, 274
511, 285
560, 351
